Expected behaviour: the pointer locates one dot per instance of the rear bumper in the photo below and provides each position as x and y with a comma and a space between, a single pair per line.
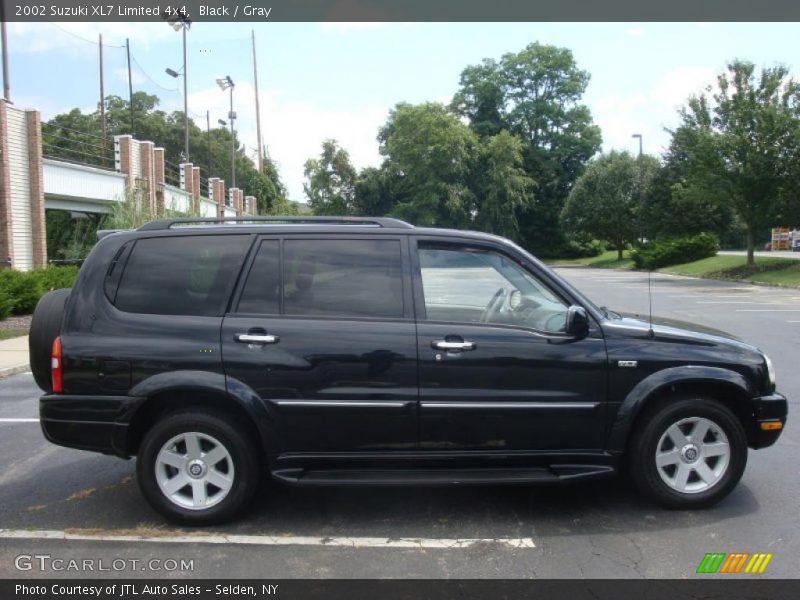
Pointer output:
95, 423
771, 409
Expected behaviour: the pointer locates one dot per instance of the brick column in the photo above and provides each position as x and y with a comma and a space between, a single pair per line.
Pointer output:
218, 186
149, 175
250, 204
240, 201
6, 239
158, 173
196, 190
233, 196
123, 150
36, 182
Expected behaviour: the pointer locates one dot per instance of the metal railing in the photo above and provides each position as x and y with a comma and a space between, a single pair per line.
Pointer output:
81, 147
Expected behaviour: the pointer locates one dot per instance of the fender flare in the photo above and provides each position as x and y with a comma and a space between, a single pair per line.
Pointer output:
263, 416
651, 385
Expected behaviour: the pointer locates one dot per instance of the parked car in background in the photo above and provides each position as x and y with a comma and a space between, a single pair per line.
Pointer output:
358, 351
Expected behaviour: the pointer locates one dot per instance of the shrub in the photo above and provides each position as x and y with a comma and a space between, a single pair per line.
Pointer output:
664, 253
20, 290
581, 248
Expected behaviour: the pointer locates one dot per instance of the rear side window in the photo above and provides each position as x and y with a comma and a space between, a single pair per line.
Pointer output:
186, 275
343, 278
261, 293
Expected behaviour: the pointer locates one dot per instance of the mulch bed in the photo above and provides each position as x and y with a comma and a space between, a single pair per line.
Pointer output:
16, 322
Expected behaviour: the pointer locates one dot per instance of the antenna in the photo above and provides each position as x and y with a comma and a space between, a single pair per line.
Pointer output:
650, 298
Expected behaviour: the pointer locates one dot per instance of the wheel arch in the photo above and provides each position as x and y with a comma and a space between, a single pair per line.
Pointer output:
723, 385
168, 392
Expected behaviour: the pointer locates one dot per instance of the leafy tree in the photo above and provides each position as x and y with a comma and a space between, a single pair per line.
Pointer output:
331, 181
604, 202
500, 185
374, 194
429, 154
743, 142
535, 94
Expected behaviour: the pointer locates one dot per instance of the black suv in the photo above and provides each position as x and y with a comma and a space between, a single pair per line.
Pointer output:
355, 351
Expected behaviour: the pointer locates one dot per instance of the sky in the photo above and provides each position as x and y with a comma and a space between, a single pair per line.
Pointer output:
340, 80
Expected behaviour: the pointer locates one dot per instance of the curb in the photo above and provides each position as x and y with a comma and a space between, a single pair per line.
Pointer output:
8, 372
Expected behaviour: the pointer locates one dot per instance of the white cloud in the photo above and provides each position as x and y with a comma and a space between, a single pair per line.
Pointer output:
294, 131
137, 78
347, 27
636, 32
676, 85
81, 38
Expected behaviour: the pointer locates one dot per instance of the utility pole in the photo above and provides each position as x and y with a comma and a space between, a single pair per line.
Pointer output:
103, 124
130, 86
231, 117
185, 96
208, 140
258, 112
4, 37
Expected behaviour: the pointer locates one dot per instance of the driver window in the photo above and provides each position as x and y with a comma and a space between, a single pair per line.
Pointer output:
478, 286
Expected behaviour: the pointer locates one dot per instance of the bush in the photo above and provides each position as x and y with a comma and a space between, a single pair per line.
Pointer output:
21, 290
581, 249
664, 253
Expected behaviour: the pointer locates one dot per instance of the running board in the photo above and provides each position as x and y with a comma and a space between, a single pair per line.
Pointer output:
367, 477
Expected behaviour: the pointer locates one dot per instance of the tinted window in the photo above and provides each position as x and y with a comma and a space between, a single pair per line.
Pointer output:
349, 278
478, 286
187, 275
262, 290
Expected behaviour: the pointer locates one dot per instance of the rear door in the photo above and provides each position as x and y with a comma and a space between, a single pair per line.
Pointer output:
322, 329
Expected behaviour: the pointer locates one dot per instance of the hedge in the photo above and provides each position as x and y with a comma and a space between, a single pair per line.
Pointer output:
676, 251
21, 290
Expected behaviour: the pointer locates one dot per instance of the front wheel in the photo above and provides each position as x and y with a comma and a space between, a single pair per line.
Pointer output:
198, 467
689, 453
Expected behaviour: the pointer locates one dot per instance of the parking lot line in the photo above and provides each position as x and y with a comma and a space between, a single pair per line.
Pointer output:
16, 420
268, 540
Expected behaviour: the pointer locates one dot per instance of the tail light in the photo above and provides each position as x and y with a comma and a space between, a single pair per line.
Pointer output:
56, 366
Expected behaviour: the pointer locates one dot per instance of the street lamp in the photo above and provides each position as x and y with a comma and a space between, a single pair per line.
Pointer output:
638, 135
182, 23
226, 83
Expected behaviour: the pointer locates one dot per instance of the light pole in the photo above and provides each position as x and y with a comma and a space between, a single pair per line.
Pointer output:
226, 83
182, 24
638, 135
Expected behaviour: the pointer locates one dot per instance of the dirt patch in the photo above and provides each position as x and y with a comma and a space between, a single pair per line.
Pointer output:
16, 322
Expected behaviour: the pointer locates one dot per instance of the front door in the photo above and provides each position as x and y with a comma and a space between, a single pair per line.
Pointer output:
497, 371
322, 330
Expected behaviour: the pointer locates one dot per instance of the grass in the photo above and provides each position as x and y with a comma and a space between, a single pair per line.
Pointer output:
607, 260
771, 271
767, 270
7, 334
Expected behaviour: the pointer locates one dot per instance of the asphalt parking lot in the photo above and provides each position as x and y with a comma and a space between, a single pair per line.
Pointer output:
598, 529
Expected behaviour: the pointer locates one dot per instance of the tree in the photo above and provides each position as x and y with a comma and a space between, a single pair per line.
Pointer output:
535, 94
331, 181
604, 202
429, 154
500, 185
743, 142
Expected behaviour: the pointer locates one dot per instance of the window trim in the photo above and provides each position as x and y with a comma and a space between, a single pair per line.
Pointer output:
471, 244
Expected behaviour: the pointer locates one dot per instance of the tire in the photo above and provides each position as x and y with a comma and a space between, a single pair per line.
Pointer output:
45, 327
238, 463
694, 473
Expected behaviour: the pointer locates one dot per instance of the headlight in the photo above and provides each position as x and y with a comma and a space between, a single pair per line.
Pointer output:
770, 370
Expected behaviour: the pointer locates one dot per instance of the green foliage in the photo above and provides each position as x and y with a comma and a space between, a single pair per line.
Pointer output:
741, 146
605, 201
676, 251
331, 181
535, 94
21, 290
69, 237
582, 249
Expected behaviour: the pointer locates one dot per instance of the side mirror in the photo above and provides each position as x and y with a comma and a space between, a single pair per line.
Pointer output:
577, 321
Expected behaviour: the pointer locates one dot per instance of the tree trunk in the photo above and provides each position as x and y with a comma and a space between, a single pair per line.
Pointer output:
619, 252
750, 246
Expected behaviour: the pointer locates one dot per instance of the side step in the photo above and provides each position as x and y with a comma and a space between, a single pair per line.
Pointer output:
369, 477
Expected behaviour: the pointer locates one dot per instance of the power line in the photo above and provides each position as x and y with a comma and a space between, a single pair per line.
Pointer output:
153, 81
83, 39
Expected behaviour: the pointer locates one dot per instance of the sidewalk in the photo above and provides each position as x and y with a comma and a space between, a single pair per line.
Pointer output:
14, 356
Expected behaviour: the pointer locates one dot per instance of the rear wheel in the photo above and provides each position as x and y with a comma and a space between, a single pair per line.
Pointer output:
45, 327
198, 467
689, 453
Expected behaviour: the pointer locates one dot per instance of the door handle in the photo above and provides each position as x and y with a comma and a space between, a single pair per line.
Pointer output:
444, 345
256, 338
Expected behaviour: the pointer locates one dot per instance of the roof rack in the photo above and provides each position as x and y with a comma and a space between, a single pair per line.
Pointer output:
387, 222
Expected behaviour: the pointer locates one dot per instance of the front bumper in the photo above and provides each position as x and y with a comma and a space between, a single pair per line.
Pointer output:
771, 409
95, 423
